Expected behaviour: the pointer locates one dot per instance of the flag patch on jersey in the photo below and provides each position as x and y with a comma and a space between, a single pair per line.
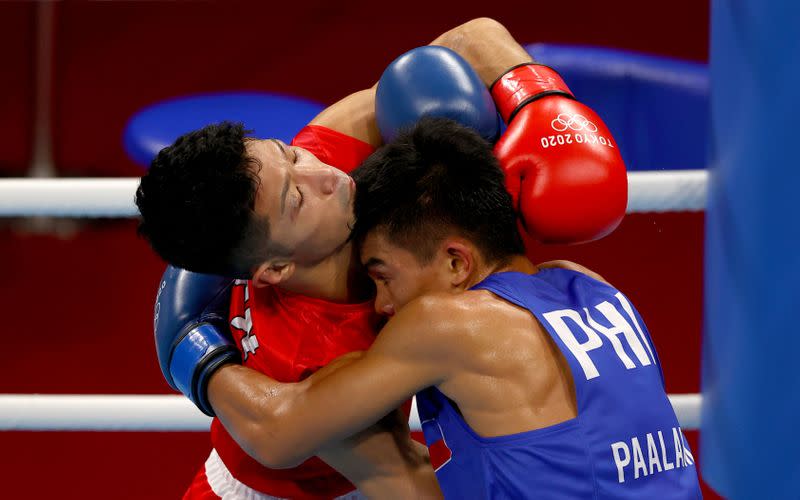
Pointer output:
438, 450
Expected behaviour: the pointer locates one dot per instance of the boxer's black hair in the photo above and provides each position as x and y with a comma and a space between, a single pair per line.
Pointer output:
433, 180
197, 203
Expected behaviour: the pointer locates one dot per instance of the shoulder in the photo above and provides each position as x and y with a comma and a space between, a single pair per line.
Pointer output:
332, 146
457, 330
426, 325
446, 317
447, 309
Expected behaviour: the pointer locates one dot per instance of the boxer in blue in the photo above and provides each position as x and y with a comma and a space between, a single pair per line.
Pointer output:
531, 382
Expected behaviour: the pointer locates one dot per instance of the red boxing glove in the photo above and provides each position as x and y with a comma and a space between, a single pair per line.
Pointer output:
562, 167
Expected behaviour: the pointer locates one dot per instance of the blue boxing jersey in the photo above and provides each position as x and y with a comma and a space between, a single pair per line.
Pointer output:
625, 442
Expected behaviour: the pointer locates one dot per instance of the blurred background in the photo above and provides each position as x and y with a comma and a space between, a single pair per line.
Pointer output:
77, 295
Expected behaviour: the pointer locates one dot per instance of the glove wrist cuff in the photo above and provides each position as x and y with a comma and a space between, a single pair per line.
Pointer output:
200, 352
200, 395
524, 83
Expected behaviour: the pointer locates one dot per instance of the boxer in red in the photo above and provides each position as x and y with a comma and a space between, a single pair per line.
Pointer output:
292, 330
278, 217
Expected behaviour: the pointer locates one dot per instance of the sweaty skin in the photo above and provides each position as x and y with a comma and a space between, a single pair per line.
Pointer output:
490, 357
381, 464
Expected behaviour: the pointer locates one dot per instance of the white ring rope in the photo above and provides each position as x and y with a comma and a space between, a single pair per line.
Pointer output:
59, 197
652, 191
78, 412
667, 191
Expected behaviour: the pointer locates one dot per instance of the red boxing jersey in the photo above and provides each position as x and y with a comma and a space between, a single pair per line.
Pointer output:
289, 336
332, 147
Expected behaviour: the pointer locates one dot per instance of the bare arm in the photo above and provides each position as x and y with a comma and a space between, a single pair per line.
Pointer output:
354, 116
382, 460
403, 468
486, 45
282, 424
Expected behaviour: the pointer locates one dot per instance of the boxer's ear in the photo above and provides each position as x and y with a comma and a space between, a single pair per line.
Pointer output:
460, 261
273, 272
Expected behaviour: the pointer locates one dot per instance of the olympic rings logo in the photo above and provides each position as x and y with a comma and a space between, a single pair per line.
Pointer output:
575, 122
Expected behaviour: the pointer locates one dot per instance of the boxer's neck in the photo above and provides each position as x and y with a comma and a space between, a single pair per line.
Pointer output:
337, 278
517, 263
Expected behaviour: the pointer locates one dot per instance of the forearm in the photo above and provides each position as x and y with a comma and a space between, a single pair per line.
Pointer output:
270, 422
383, 462
255, 410
486, 45
336, 365
280, 425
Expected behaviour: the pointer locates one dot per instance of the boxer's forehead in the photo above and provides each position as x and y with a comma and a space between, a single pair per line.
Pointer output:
270, 164
265, 151
379, 253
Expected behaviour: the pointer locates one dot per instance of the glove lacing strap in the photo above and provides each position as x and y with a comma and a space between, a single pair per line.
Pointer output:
523, 84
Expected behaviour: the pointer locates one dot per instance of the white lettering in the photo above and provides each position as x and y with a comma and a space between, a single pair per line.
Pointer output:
246, 288
676, 438
620, 326
578, 349
638, 458
619, 331
667, 464
621, 461
570, 138
245, 324
157, 307
610, 335
687, 453
249, 344
652, 453
629, 311
629, 454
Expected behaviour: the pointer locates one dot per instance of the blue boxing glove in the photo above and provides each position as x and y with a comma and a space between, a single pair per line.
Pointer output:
191, 331
433, 81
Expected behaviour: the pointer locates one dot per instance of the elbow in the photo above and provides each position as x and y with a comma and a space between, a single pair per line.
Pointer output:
470, 33
278, 449
279, 457
278, 438
482, 26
